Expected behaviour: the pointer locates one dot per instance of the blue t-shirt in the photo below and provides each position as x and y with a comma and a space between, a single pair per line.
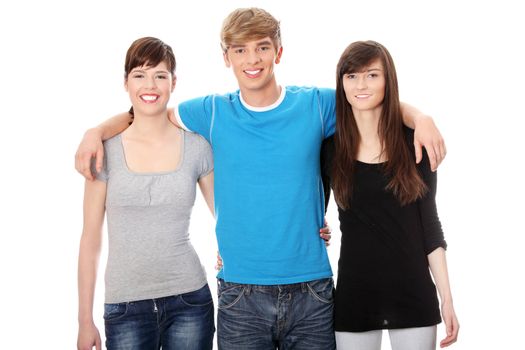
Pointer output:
269, 199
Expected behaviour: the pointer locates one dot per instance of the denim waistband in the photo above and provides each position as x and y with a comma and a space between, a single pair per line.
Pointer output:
275, 288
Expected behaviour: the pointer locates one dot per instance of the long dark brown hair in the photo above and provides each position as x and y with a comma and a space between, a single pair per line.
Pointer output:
405, 181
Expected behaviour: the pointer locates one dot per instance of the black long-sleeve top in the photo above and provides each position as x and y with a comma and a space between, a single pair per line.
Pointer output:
383, 278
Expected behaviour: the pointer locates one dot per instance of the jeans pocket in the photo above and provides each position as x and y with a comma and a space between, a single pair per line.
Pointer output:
115, 311
200, 297
230, 295
322, 290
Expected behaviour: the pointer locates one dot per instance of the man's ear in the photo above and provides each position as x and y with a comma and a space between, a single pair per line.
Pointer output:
226, 59
278, 56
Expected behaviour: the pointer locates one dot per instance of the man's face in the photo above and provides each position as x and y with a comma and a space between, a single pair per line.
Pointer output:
252, 63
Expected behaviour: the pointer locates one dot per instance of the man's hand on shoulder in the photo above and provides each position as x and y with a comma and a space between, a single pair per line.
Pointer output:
427, 135
90, 147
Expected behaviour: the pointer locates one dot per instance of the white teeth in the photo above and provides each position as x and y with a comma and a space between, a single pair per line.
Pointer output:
252, 72
149, 97
362, 96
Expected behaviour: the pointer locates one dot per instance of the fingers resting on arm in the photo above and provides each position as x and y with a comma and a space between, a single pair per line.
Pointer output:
427, 135
90, 147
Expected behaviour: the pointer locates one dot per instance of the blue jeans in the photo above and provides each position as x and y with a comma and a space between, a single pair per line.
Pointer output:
182, 321
292, 316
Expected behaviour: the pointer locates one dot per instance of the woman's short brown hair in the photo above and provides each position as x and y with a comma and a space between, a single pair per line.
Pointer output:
149, 51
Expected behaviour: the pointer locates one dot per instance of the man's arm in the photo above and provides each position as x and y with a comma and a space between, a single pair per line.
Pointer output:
91, 144
426, 134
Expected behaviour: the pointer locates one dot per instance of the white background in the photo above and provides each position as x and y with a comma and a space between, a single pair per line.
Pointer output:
62, 65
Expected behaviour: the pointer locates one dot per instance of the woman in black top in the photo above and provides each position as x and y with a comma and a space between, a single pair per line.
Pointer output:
391, 233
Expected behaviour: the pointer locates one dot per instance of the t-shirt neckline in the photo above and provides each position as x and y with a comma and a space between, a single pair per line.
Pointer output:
264, 108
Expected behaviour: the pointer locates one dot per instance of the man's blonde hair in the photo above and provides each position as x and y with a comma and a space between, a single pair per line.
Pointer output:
245, 24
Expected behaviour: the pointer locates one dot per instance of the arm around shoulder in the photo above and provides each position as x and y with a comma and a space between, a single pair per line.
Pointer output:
426, 134
91, 144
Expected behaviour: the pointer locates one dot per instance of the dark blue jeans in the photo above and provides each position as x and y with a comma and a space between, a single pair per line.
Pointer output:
182, 321
293, 316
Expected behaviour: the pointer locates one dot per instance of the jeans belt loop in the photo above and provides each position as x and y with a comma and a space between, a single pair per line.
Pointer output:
304, 287
247, 289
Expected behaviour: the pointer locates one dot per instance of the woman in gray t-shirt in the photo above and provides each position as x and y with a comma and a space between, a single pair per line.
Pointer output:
156, 293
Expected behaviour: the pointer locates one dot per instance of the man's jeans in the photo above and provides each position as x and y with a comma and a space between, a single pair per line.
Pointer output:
182, 321
292, 316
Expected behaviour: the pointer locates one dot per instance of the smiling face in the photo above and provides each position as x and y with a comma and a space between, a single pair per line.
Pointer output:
365, 90
150, 88
252, 63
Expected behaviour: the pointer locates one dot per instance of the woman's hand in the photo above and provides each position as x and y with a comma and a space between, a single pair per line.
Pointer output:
326, 233
219, 265
88, 337
451, 324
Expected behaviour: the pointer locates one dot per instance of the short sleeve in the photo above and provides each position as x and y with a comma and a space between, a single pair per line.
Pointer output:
196, 115
206, 159
327, 110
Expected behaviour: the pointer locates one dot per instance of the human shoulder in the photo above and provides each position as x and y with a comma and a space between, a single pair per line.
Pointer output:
113, 142
424, 165
198, 144
195, 138
409, 134
409, 140
325, 96
225, 97
293, 89
113, 155
198, 152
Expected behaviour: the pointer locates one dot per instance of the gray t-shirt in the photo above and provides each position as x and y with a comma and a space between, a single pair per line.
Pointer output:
148, 214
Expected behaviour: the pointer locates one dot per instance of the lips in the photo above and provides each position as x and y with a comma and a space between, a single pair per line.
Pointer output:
252, 73
149, 98
362, 96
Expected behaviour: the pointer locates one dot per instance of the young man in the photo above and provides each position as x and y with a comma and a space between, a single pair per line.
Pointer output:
275, 289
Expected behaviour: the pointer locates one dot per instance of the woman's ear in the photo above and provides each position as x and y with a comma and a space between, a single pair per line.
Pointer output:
173, 82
